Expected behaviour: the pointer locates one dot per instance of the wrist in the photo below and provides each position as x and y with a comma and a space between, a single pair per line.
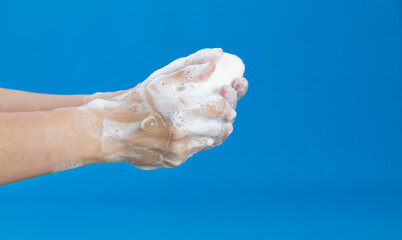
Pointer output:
73, 135
102, 95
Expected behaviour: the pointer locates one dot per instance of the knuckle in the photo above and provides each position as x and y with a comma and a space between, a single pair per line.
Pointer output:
215, 109
177, 148
173, 160
177, 133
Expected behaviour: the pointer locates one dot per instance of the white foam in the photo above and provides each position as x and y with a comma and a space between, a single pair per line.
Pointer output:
228, 68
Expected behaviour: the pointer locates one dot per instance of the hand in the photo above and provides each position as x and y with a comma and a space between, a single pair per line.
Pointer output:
168, 117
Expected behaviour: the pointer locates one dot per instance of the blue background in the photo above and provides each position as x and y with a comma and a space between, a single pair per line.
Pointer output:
317, 147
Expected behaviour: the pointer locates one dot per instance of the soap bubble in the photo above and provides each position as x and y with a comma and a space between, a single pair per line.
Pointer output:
149, 124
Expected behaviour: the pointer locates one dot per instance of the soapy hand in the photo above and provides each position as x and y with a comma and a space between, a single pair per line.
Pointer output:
176, 112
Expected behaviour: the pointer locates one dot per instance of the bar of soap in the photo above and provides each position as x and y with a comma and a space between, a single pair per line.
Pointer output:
228, 68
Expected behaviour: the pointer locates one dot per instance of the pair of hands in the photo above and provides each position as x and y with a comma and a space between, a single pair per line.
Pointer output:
170, 116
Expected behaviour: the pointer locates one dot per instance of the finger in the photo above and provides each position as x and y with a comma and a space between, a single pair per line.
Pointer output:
200, 57
211, 109
174, 160
178, 133
197, 73
171, 160
230, 114
205, 55
192, 73
241, 86
204, 72
228, 130
215, 109
229, 94
178, 147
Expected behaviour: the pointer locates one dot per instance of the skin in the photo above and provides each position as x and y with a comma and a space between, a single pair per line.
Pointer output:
21, 101
37, 137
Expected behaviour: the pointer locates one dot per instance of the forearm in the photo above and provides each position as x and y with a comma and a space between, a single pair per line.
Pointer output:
21, 101
37, 143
